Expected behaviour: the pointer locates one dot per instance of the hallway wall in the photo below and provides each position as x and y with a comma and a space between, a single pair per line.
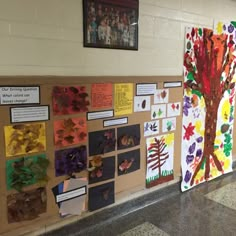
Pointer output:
45, 37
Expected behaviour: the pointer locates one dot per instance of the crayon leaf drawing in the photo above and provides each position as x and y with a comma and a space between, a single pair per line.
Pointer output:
24, 138
158, 111
173, 109
26, 205
96, 167
161, 96
151, 128
101, 142
70, 131
69, 100
70, 161
142, 103
26, 171
168, 124
209, 97
159, 160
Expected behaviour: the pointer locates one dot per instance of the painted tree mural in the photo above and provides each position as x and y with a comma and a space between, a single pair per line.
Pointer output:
159, 159
209, 68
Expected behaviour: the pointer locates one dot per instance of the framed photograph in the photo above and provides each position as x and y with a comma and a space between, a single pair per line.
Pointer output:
111, 24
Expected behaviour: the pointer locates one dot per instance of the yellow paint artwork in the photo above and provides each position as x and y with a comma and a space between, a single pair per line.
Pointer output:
24, 138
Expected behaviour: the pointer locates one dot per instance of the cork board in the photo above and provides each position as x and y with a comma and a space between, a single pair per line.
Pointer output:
124, 184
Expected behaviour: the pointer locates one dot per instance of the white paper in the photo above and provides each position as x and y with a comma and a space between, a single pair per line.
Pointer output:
142, 103
173, 109
145, 89
113, 122
158, 111
161, 96
172, 84
71, 194
168, 124
151, 128
100, 115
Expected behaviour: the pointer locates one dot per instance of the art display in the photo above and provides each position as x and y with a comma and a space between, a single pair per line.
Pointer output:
142, 103
208, 108
26, 206
25, 171
70, 131
70, 161
160, 158
168, 124
128, 136
151, 128
69, 100
161, 96
173, 109
101, 196
123, 99
111, 24
128, 162
21, 139
101, 169
158, 111
102, 141
101, 95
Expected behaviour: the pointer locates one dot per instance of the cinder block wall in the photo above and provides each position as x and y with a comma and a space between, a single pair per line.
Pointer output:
45, 37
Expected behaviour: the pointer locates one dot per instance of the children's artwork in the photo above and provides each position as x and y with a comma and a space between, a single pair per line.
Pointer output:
208, 108
25, 171
151, 128
128, 136
70, 161
69, 100
26, 205
70, 131
160, 154
142, 103
158, 111
101, 142
173, 109
101, 169
123, 99
24, 138
101, 196
161, 96
168, 124
102, 95
128, 162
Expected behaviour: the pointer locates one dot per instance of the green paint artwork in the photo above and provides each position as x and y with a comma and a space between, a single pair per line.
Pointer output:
26, 171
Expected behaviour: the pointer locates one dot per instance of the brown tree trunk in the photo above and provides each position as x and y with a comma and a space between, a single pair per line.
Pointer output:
212, 106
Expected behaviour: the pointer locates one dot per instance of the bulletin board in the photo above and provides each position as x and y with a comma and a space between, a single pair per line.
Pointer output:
113, 113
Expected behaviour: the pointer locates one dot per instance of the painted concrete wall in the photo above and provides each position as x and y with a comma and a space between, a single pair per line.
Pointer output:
45, 37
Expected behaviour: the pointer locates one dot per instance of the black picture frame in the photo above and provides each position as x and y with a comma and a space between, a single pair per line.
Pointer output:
111, 24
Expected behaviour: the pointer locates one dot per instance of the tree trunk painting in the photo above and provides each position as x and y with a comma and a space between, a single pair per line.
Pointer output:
159, 159
208, 108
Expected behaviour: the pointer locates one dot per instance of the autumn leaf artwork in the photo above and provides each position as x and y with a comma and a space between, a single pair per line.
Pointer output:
69, 100
161, 96
151, 128
158, 111
160, 151
70, 131
208, 105
24, 138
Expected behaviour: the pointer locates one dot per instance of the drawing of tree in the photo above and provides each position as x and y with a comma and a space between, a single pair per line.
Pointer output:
209, 64
156, 155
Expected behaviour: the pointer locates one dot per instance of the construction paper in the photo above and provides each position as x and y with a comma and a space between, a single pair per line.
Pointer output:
102, 95
24, 138
102, 141
25, 171
208, 107
102, 172
128, 136
161, 96
123, 99
69, 161
69, 100
151, 128
70, 131
160, 156
26, 205
173, 109
168, 124
101, 196
158, 111
128, 162
142, 103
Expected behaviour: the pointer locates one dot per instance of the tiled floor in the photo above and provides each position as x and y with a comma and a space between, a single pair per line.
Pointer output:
206, 210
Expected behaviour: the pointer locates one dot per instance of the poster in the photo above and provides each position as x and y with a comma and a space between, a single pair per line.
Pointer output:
102, 95
123, 99
208, 108
160, 158
24, 138
70, 131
